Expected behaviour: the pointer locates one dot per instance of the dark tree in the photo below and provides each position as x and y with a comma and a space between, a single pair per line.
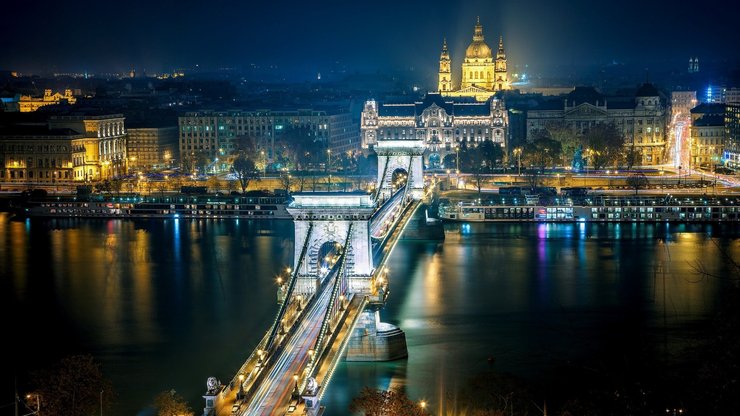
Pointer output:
246, 145
450, 161
493, 393
372, 402
169, 403
301, 177
632, 156
286, 179
541, 153
245, 171
188, 162
73, 387
300, 144
104, 186
203, 162
565, 134
491, 155
605, 145
637, 181
116, 184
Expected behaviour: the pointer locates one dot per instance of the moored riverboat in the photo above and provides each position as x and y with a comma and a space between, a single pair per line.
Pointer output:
643, 209
172, 206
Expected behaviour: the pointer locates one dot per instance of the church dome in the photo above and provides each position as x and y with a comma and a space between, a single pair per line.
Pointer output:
478, 49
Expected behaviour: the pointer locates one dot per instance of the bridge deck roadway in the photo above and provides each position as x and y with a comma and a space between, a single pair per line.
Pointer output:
251, 369
335, 350
381, 253
273, 396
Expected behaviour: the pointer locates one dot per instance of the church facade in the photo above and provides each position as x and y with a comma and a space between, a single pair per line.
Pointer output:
482, 74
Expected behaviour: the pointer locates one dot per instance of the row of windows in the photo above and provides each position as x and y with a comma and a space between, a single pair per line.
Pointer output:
41, 174
480, 74
41, 163
31, 148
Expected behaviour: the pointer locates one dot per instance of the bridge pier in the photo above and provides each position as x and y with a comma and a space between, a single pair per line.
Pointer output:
373, 340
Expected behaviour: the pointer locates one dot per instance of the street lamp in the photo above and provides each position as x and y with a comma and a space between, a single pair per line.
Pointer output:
423, 405
518, 153
679, 174
328, 168
457, 156
38, 401
240, 394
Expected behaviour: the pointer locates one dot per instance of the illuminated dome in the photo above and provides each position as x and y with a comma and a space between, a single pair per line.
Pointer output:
478, 48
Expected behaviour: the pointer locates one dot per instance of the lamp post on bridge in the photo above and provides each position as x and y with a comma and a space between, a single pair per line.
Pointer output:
295, 390
240, 393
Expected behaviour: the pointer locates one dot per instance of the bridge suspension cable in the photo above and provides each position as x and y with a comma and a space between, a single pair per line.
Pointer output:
408, 178
288, 294
382, 180
319, 345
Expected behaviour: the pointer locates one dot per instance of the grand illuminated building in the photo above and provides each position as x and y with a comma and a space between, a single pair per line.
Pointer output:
444, 124
68, 148
449, 118
481, 74
27, 103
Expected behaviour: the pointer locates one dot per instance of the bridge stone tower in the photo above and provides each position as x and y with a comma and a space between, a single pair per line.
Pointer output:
325, 217
407, 155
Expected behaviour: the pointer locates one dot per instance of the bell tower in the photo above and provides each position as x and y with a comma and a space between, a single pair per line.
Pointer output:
445, 70
501, 76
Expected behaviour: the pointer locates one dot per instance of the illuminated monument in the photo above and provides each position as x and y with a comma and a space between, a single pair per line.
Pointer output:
444, 121
482, 75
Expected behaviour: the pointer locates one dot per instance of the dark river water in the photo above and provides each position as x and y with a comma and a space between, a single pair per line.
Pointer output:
166, 304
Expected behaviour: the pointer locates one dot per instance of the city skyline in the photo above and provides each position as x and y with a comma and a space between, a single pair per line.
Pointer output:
305, 39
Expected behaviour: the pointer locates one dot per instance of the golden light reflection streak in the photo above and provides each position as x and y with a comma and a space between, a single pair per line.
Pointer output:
142, 284
108, 281
18, 258
432, 282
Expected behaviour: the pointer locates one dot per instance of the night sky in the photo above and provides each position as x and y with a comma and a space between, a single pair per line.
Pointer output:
313, 36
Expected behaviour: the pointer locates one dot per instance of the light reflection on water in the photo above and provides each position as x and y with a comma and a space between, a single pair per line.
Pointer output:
165, 304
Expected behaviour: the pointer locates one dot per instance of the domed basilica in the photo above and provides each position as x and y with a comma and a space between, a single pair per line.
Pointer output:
482, 75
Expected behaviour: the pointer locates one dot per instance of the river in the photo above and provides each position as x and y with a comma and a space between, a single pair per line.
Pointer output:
164, 304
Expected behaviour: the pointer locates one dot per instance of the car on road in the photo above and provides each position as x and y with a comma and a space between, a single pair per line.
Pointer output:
235, 409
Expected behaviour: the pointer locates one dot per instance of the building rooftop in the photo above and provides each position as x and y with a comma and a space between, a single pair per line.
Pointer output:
647, 90
455, 107
28, 131
710, 120
709, 108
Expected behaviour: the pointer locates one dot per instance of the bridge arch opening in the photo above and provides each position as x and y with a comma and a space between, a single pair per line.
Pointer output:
399, 178
327, 256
